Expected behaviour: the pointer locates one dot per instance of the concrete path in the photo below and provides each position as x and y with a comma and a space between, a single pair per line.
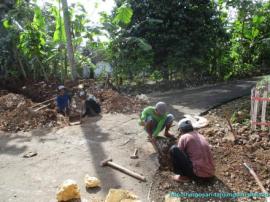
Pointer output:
199, 100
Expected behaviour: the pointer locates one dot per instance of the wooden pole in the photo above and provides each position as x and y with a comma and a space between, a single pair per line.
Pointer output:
126, 171
264, 105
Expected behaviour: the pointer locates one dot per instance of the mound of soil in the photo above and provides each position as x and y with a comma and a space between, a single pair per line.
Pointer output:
112, 101
16, 115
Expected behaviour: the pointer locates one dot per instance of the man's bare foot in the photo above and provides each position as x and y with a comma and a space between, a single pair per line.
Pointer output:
179, 178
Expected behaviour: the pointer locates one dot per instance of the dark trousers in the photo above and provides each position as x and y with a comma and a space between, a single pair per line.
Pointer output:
182, 165
181, 162
92, 108
64, 112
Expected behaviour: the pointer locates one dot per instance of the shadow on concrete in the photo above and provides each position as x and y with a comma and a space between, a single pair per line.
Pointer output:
95, 137
8, 147
12, 143
93, 190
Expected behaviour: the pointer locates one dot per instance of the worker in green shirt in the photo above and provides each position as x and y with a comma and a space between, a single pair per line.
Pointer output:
155, 119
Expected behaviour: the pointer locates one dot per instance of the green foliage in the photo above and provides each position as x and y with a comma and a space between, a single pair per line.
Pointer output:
31, 41
6, 24
178, 35
249, 35
154, 39
263, 82
59, 35
234, 118
131, 56
156, 75
39, 20
123, 14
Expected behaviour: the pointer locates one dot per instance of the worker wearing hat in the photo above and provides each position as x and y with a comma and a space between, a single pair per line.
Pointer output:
89, 105
155, 119
62, 101
191, 158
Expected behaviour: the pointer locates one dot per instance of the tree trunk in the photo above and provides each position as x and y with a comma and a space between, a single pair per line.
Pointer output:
65, 64
16, 54
70, 51
165, 74
43, 69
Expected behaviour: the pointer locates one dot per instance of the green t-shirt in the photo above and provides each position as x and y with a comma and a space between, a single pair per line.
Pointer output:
160, 120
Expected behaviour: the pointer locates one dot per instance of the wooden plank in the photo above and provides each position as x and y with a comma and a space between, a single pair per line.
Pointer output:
264, 105
252, 108
255, 113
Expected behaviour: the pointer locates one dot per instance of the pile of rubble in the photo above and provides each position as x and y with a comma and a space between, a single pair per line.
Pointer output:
16, 114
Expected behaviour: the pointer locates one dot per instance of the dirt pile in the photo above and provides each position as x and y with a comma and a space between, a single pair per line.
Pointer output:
112, 101
11, 101
16, 115
39, 92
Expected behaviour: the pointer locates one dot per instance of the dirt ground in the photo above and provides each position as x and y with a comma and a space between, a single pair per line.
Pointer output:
249, 147
74, 151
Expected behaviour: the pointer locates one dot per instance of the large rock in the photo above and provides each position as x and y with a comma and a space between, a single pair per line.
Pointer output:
121, 195
229, 137
68, 190
91, 182
169, 198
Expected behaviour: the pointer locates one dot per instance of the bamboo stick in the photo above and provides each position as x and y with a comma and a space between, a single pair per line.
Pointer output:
258, 181
41, 103
44, 106
230, 125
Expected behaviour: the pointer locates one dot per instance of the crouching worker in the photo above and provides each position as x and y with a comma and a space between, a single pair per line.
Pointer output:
89, 105
191, 158
63, 101
155, 119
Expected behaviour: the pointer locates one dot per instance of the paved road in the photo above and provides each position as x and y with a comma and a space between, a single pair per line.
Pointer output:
199, 100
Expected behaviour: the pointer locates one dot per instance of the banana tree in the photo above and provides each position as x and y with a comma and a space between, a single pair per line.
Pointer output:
32, 43
70, 51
